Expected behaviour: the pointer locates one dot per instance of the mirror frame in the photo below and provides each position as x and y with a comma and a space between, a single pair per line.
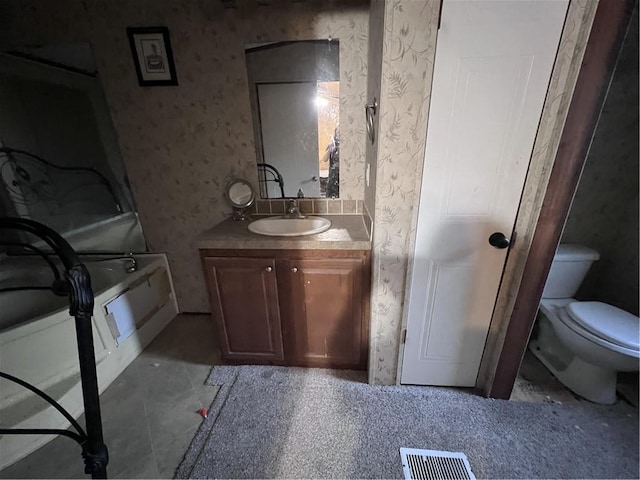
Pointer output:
230, 185
257, 121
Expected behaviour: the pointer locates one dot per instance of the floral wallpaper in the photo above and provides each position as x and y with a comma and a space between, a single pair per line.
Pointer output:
182, 144
376, 34
409, 38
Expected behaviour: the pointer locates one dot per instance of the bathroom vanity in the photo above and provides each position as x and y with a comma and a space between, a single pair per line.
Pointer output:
300, 301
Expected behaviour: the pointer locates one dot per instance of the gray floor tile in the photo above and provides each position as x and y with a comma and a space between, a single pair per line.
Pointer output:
125, 423
170, 449
149, 412
170, 352
174, 417
60, 458
207, 394
191, 340
165, 384
144, 467
197, 373
127, 437
156, 374
122, 405
122, 386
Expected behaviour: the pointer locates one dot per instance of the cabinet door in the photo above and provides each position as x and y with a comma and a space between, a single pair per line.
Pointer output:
325, 324
244, 304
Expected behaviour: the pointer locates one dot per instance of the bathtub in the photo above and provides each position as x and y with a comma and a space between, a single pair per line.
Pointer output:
38, 341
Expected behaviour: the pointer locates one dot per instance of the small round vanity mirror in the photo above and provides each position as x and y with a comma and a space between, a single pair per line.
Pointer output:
240, 195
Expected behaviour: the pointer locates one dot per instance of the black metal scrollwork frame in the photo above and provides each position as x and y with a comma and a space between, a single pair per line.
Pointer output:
14, 160
77, 285
269, 173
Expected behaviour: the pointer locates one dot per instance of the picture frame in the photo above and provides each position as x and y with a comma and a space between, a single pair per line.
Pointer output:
152, 56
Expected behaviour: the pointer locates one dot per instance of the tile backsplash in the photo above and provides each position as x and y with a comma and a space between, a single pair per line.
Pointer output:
310, 206
316, 207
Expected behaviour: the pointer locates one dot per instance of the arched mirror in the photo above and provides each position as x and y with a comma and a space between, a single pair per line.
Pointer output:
294, 89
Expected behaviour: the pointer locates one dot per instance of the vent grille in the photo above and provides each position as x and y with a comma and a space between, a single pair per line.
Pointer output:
434, 464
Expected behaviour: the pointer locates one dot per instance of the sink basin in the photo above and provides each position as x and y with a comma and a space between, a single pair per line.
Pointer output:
289, 227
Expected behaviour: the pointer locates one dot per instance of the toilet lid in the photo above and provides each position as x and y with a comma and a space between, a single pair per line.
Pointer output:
608, 322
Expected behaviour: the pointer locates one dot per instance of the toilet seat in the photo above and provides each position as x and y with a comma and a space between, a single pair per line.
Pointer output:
555, 309
560, 314
610, 323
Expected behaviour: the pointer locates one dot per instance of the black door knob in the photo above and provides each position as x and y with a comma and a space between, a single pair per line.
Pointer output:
498, 240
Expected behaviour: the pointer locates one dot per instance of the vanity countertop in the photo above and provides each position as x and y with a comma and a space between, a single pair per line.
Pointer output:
347, 232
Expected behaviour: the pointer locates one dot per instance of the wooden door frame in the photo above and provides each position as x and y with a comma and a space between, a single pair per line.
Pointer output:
607, 34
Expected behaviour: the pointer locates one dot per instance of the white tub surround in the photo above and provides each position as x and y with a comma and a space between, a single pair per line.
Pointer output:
38, 341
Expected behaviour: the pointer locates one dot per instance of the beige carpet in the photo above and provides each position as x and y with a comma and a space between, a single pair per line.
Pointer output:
277, 422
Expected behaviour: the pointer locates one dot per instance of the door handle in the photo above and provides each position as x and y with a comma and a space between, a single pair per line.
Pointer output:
499, 240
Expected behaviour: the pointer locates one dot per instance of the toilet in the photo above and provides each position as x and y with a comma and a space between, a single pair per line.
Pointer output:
584, 344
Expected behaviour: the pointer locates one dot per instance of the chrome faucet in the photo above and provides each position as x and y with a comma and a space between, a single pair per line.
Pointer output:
293, 211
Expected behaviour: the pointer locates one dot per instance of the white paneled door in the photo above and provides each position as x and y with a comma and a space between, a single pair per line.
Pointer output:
492, 68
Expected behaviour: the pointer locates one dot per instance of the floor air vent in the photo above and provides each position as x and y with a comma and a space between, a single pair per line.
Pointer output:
434, 464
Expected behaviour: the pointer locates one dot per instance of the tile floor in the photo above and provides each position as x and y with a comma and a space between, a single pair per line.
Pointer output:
149, 412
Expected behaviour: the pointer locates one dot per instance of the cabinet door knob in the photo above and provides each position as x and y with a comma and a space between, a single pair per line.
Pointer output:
268, 269
294, 269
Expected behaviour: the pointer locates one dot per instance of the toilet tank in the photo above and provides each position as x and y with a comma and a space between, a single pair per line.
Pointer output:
570, 265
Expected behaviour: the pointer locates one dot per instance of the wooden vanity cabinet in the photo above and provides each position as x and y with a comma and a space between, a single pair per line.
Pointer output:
324, 312
244, 303
291, 307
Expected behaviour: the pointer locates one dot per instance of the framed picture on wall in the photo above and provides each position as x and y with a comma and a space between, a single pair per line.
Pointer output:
152, 56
